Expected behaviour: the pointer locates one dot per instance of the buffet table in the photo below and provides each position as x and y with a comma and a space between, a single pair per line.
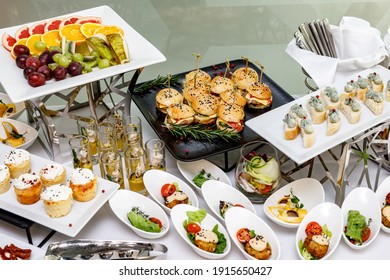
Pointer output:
106, 226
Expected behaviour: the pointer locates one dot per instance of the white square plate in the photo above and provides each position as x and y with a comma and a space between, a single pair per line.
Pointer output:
270, 125
36, 253
142, 53
80, 213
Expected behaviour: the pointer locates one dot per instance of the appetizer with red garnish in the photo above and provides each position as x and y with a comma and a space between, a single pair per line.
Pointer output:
173, 195
254, 244
316, 244
386, 212
357, 229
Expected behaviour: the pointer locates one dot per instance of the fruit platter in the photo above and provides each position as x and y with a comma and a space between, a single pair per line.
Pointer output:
55, 54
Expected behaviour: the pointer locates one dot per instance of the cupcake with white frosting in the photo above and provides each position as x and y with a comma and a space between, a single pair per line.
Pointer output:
83, 184
18, 162
57, 200
5, 179
52, 174
28, 188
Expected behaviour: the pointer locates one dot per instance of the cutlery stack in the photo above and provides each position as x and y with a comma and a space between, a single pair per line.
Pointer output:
316, 37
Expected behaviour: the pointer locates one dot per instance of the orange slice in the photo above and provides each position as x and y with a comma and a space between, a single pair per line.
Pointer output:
72, 33
30, 43
109, 29
88, 29
51, 38
20, 42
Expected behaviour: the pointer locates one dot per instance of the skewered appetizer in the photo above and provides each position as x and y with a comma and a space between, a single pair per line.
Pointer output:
233, 97
291, 128
179, 114
166, 98
18, 162
375, 81
173, 195
192, 90
351, 109
245, 76
375, 101
28, 188
259, 96
307, 132
230, 117
316, 244
199, 75
220, 84
5, 179
57, 200
333, 122
330, 97
254, 244
362, 88
317, 109
205, 107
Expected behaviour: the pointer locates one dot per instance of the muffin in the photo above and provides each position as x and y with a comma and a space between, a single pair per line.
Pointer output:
5, 179
57, 200
83, 184
18, 162
52, 174
28, 188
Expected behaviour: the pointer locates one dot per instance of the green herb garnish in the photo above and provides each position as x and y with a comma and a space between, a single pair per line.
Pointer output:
159, 81
295, 200
202, 177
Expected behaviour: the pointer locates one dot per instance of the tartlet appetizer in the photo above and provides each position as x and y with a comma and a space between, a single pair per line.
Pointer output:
316, 244
254, 244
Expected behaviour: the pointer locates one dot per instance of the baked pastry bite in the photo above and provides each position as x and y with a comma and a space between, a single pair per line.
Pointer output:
351, 109
28, 188
350, 89
230, 118
333, 122
233, 97
258, 96
83, 184
166, 98
388, 91
52, 174
220, 84
205, 107
5, 179
57, 200
291, 128
192, 90
245, 76
307, 132
330, 97
317, 109
199, 75
298, 112
374, 101
180, 114
18, 162
375, 81
362, 88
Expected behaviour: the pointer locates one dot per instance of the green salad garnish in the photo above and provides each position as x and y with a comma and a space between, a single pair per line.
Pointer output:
141, 221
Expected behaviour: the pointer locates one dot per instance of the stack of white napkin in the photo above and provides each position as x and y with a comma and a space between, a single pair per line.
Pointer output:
358, 46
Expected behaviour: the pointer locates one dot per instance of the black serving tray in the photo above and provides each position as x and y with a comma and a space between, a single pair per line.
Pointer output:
190, 150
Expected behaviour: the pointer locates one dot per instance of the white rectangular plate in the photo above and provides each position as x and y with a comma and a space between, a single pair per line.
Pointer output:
36, 253
142, 53
80, 213
270, 125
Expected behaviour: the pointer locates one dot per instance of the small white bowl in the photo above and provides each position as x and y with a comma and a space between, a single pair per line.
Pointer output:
215, 191
155, 179
237, 218
30, 133
363, 200
190, 169
381, 192
19, 107
124, 200
326, 213
309, 191
179, 215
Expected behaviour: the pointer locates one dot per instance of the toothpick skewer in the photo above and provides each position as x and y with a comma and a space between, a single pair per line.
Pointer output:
198, 57
227, 68
246, 63
261, 70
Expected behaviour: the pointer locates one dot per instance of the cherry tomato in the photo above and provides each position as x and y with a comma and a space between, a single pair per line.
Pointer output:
243, 235
266, 189
388, 198
313, 228
236, 125
366, 232
238, 205
167, 190
156, 221
193, 228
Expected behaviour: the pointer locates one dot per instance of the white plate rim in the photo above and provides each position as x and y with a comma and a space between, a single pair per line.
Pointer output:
19, 106
36, 252
381, 197
31, 135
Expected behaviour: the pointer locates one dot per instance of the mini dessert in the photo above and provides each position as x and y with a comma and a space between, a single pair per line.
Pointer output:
57, 200
317, 109
180, 114
199, 75
83, 184
28, 188
362, 88
220, 84
351, 109
333, 122
233, 97
291, 128
259, 96
307, 133
245, 76
166, 98
205, 107
230, 118
173, 195
375, 81
192, 90
331, 98
298, 112
255, 245
5, 179
18, 162
375, 101
350, 89
52, 174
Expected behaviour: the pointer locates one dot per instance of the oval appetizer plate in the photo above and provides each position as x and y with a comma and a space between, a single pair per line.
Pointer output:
201, 168
220, 197
381, 194
17, 107
29, 133
124, 201
154, 180
364, 206
289, 205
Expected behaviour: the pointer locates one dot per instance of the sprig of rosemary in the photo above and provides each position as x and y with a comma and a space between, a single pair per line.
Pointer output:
202, 132
159, 81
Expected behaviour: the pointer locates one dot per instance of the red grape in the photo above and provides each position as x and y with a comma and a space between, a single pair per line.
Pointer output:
27, 71
75, 68
20, 49
46, 71
36, 79
59, 73
44, 57
21, 60
33, 62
